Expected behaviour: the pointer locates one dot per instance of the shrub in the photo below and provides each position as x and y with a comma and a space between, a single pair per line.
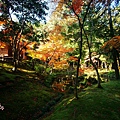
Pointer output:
39, 68
111, 75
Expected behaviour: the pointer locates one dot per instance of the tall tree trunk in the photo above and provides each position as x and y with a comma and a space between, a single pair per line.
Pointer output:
81, 25
118, 58
79, 58
14, 43
114, 52
115, 64
15, 53
16, 48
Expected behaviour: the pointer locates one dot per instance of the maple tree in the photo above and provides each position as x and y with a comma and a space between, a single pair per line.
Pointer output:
54, 48
81, 26
8, 37
52, 53
76, 7
112, 43
90, 4
26, 12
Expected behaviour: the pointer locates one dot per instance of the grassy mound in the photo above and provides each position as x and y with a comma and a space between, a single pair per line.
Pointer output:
93, 104
23, 96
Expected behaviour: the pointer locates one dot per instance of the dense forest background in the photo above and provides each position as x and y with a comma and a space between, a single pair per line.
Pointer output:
62, 46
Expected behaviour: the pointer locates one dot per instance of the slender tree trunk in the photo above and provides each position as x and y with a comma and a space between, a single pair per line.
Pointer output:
98, 75
118, 58
14, 55
81, 25
76, 79
95, 67
110, 22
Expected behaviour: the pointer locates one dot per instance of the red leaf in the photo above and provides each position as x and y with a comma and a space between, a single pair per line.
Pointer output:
77, 5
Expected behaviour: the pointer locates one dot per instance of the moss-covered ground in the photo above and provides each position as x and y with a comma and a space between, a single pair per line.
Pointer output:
93, 104
24, 97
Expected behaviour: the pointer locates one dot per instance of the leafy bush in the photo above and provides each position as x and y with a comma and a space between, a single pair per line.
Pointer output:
111, 74
39, 68
26, 64
48, 70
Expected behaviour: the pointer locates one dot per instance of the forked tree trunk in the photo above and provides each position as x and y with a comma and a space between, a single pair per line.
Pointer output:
95, 67
80, 43
16, 46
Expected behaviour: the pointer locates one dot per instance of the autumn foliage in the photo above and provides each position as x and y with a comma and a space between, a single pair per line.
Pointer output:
52, 53
77, 5
113, 43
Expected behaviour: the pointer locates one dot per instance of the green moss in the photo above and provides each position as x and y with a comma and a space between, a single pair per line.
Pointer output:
93, 104
24, 97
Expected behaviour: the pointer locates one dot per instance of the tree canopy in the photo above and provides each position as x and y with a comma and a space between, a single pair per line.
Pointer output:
24, 9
